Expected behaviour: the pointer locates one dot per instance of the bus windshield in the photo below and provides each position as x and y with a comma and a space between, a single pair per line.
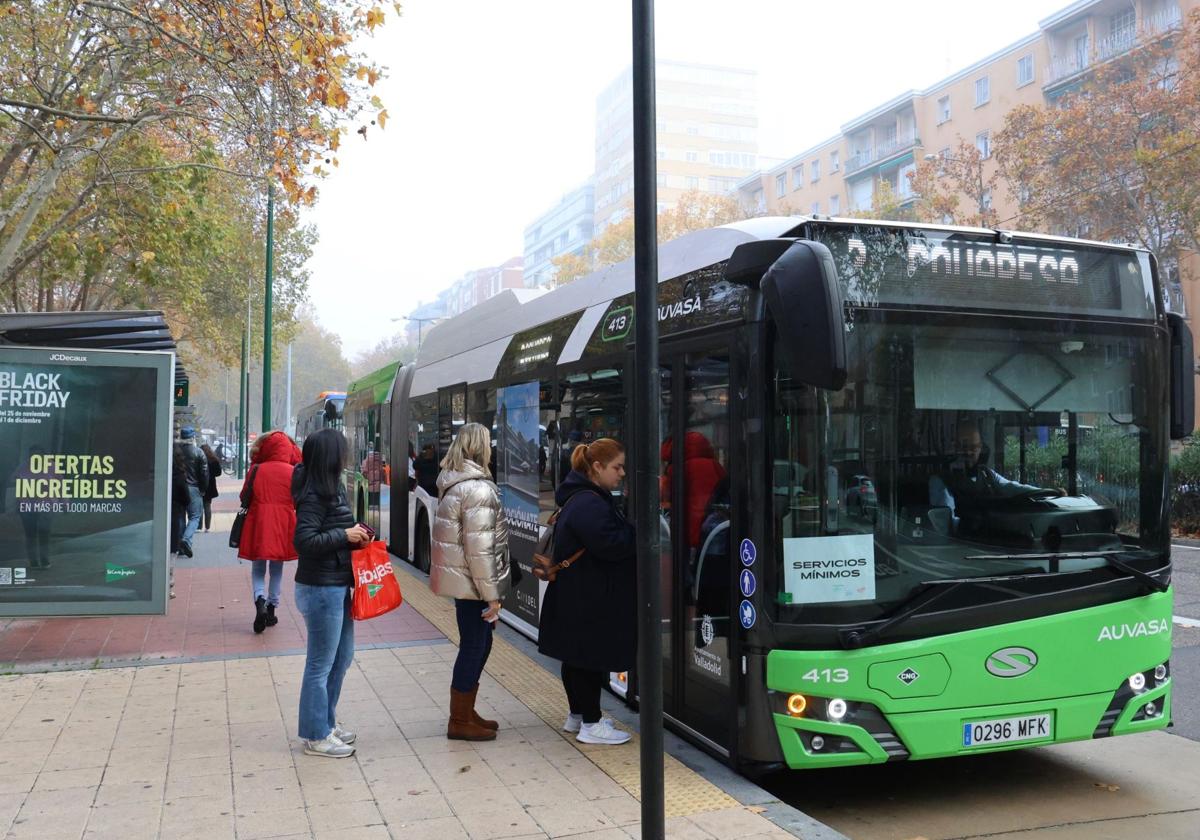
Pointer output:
967, 446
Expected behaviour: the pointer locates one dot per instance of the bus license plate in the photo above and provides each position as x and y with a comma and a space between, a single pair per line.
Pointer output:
1008, 730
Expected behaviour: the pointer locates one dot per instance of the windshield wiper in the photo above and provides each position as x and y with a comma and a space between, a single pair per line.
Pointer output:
934, 590
931, 591
1113, 558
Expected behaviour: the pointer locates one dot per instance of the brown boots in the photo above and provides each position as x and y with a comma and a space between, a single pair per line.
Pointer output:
464, 724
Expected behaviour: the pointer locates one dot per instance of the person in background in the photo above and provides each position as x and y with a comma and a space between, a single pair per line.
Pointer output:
195, 471
470, 565
589, 613
268, 533
179, 506
210, 492
325, 535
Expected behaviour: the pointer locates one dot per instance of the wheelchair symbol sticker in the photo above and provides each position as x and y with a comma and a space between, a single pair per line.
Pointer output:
747, 614
748, 583
748, 553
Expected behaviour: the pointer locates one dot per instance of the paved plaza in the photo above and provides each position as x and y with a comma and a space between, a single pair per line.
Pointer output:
184, 726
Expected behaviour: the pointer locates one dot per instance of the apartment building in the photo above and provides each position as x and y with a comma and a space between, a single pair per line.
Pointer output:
840, 174
566, 228
476, 286
707, 135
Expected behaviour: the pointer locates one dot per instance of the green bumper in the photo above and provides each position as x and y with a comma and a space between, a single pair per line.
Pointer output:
912, 700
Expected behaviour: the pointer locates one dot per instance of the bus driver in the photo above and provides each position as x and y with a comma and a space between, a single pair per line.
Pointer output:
969, 477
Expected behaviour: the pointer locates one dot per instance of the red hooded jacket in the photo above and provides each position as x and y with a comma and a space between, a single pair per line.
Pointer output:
271, 520
701, 474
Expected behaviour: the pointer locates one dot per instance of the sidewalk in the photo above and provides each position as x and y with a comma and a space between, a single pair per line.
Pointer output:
204, 746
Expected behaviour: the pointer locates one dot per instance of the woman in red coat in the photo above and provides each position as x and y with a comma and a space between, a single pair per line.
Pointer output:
270, 525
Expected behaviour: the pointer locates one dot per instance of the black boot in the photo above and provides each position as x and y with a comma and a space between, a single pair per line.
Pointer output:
260, 614
272, 620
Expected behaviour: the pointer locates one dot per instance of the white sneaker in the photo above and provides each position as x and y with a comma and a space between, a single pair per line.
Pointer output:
572, 723
330, 747
602, 732
344, 735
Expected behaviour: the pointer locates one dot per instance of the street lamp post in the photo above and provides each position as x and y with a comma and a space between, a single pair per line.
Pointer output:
420, 326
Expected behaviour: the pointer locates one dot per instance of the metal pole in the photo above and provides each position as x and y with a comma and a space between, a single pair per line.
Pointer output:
267, 303
646, 426
287, 411
243, 378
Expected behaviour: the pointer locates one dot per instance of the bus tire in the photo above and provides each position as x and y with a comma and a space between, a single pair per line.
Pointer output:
422, 551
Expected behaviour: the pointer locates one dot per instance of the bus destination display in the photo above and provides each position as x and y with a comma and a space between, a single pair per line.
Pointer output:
930, 268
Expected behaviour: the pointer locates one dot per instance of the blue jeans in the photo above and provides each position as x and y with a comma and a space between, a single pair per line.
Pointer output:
474, 644
258, 576
195, 512
326, 611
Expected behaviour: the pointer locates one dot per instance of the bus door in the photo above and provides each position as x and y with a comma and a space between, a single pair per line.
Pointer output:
695, 498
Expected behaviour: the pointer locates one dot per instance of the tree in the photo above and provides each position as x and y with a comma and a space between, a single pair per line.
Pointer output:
955, 189
1118, 158
387, 350
886, 203
694, 210
128, 126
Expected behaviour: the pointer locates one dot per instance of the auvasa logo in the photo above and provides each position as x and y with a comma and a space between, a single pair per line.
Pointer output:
375, 575
1153, 627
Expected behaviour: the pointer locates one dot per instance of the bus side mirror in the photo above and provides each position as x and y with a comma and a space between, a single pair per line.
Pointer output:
1183, 378
803, 296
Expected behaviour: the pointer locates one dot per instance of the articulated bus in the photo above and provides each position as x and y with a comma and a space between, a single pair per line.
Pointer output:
324, 413
920, 505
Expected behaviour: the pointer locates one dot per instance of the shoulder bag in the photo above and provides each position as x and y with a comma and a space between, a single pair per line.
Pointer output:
544, 567
239, 522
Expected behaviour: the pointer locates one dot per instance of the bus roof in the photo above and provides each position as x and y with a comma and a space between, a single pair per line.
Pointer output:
377, 382
505, 314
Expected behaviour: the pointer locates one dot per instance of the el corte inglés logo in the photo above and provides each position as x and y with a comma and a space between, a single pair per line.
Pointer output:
373, 589
113, 572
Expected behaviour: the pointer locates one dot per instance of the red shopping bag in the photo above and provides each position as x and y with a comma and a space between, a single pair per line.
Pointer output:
376, 590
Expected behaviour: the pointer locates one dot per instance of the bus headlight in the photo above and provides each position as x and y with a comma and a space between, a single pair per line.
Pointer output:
835, 710
1160, 673
1137, 682
796, 704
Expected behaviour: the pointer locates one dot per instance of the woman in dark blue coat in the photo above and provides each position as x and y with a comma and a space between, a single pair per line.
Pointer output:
589, 613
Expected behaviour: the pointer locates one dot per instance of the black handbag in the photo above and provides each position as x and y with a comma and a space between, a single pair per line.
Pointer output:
239, 522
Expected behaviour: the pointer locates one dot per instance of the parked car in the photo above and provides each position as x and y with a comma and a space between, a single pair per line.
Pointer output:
861, 499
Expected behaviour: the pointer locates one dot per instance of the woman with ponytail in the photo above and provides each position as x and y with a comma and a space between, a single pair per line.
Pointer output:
589, 613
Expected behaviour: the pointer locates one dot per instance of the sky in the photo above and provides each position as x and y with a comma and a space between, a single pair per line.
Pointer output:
492, 118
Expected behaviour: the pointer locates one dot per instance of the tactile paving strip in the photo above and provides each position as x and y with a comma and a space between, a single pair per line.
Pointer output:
686, 791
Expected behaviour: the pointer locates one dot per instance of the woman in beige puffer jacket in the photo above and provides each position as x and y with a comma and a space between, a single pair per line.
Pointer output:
470, 565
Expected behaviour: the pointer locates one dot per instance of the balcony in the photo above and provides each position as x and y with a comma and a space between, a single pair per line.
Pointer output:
1118, 43
885, 150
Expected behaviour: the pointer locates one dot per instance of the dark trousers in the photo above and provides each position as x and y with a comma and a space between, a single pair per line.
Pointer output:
583, 689
474, 644
178, 521
207, 514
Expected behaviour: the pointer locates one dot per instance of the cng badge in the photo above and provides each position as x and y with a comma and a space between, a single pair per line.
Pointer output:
908, 676
1011, 662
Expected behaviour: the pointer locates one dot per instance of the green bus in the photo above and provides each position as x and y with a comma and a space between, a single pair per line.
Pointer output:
367, 425
920, 505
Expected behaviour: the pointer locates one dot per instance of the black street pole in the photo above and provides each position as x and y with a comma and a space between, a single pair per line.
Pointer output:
646, 430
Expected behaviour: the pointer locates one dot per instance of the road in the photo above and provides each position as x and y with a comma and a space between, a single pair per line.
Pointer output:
1129, 788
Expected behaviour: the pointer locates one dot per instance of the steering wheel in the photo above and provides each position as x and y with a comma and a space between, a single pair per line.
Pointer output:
1038, 494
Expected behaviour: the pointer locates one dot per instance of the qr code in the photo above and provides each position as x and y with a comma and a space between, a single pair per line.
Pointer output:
5, 577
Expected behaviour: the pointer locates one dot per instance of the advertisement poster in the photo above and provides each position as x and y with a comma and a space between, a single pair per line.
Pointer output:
517, 442
84, 477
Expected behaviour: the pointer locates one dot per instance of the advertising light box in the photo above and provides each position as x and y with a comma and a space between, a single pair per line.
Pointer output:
85, 440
